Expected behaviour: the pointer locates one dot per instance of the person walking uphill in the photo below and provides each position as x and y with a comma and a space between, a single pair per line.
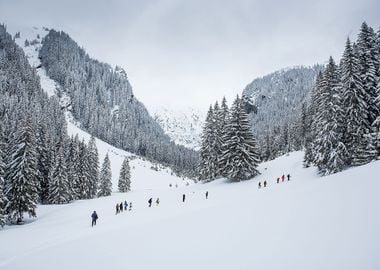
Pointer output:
288, 177
94, 217
183, 197
206, 195
283, 178
150, 202
121, 207
117, 209
157, 201
125, 205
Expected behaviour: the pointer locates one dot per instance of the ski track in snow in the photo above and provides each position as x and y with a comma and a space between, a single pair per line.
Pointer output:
309, 223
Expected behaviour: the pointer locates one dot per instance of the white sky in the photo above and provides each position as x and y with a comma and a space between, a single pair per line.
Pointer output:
193, 52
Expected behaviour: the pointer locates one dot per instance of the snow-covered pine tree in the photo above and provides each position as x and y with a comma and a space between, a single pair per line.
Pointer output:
206, 151
44, 152
223, 120
72, 161
105, 178
331, 152
241, 154
368, 60
93, 158
124, 184
21, 177
83, 172
312, 124
355, 105
59, 188
217, 143
376, 123
3, 200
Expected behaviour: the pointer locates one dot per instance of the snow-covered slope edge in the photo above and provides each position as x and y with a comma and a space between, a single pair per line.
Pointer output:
144, 174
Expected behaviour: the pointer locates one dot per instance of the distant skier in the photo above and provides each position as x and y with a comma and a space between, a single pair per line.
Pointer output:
121, 207
183, 197
283, 178
117, 209
94, 217
130, 206
206, 195
278, 180
288, 177
259, 184
265, 183
125, 205
150, 202
157, 201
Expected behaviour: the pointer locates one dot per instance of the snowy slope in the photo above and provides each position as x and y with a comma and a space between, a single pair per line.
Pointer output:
142, 174
34, 36
307, 223
184, 126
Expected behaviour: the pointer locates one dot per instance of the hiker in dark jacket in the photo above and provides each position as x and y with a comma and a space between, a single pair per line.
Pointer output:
288, 177
206, 194
117, 209
125, 205
157, 201
121, 207
259, 184
183, 197
150, 202
265, 183
94, 217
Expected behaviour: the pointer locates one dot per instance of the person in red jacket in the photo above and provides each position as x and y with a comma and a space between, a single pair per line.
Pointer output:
283, 178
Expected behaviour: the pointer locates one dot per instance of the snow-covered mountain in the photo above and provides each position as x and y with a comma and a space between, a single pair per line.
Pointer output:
103, 104
184, 126
29, 39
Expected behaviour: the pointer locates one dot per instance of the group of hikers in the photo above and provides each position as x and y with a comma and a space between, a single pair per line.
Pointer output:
120, 207
124, 207
281, 178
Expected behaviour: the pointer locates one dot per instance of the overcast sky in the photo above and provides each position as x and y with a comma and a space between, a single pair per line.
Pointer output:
193, 52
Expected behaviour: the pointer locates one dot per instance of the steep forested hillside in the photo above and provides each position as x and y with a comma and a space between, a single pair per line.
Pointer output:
103, 102
274, 102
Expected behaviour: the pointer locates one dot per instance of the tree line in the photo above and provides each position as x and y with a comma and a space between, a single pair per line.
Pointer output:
343, 119
39, 163
229, 148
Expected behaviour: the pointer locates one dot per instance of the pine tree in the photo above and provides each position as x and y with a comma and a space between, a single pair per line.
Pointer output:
206, 151
312, 123
93, 158
124, 184
73, 172
59, 188
354, 102
331, 153
44, 157
241, 154
3, 200
223, 120
105, 179
83, 172
21, 179
366, 50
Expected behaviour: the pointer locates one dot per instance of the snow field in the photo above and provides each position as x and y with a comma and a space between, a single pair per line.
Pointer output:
307, 223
